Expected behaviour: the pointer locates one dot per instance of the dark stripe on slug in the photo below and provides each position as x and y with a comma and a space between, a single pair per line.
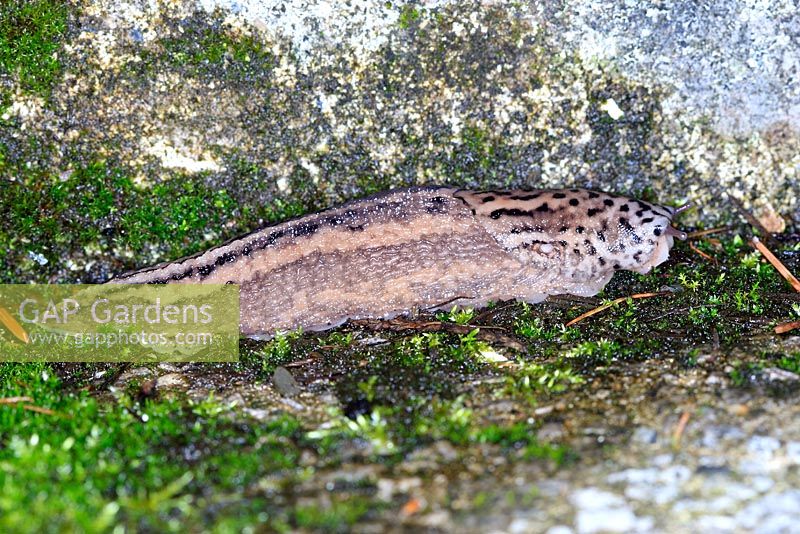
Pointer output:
226, 258
305, 229
525, 197
180, 276
647, 220
559, 195
488, 199
510, 212
436, 205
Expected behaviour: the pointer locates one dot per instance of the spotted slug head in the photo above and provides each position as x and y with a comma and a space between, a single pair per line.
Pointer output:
582, 235
647, 237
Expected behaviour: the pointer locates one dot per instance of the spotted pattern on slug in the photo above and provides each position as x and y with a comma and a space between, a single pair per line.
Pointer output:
426, 247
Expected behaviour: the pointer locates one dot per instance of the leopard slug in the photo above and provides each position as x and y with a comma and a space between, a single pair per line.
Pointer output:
424, 247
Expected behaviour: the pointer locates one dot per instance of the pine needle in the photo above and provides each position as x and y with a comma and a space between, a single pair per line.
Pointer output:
15, 400
614, 303
767, 253
702, 254
39, 409
702, 233
787, 327
13, 326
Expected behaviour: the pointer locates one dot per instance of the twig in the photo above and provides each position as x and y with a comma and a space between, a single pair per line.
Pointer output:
614, 303
15, 400
682, 422
30, 407
13, 326
776, 263
787, 327
702, 254
39, 409
701, 233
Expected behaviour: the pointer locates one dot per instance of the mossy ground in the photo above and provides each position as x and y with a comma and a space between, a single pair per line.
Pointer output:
376, 399
85, 450
29, 40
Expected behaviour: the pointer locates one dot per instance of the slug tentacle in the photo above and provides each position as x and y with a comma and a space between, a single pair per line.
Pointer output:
419, 247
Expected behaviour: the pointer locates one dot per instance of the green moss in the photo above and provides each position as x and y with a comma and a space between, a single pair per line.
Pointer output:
530, 380
790, 362
81, 466
333, 518
408, 15
277, 351
99, 207
30, 33
201, 46
745, 373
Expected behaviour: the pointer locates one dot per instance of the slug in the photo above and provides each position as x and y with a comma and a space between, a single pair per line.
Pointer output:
428, 247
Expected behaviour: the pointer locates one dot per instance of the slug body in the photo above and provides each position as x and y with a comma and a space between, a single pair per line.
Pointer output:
428, 247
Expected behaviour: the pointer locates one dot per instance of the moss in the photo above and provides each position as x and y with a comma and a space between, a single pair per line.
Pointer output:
138, 466
790, 362
409, 14
98, 206
745, 373
533, 381
336, 517
200, 46
30, 34
276, 352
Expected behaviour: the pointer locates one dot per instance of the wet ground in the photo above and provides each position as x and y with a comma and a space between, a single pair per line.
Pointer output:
645, 417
